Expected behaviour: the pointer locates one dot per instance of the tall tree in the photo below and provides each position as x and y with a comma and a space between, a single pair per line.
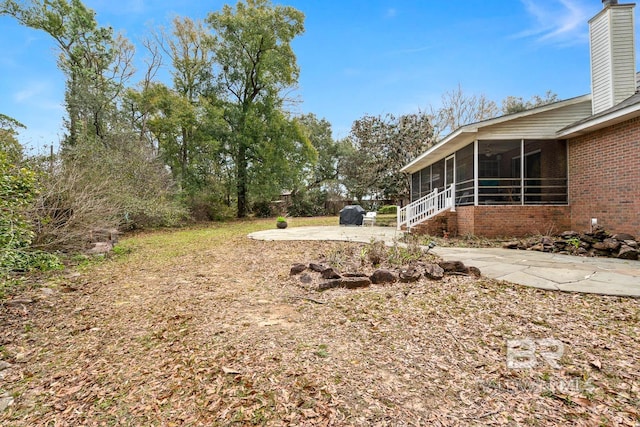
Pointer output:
329, 152
96, 63
381, 146
256, 64
515, 104
177, 116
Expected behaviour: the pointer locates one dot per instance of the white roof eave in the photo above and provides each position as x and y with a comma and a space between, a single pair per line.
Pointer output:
601, 122
461, 135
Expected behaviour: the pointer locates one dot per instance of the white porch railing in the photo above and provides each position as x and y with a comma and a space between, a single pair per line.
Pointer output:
426, 207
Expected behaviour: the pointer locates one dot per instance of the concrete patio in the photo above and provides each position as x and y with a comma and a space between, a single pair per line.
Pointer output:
604, 276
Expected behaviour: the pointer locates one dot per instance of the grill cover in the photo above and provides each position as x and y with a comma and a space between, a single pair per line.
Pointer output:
352, 215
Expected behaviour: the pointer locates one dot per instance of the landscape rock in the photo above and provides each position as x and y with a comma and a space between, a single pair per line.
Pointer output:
433, 271
330, 273
409, 274
607, 245
623, 236
354, 275
547, 241
511, 245
627, 252
100, 248
345, 282
319, 268
383, 276
453, 267
18, 301
538, 247
297, 268
5, 401
599, 242
474, 271
306, 278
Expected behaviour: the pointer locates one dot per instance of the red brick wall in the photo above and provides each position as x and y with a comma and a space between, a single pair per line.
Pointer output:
512, 221
604, 178
436, 226
465, 220
499, 221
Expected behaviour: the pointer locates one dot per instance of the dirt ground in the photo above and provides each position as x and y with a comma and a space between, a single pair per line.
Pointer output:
205, 328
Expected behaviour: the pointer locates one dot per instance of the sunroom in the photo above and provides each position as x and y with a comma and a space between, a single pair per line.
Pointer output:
504, 176
499, 172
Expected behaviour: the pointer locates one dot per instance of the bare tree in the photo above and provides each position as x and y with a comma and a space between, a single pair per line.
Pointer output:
515, 104
459, 109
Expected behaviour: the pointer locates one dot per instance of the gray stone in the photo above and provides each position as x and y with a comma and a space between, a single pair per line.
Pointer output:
354, 275
453, 266
623, 236
4, 365
511, 245
100, 248
631, 243
475, 271
627, 252
409, 274
547, 241
383, 276
5, 402
330, 273
306, 278
297, 269
539, 247
18, 301
345, 282
319, 268
606, 245
433, 271
611, 244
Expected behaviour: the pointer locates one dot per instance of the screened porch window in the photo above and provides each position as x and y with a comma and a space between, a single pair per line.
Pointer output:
464, 176
510, 172
498, 182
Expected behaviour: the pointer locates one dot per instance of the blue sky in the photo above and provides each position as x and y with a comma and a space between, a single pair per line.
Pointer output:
356, 57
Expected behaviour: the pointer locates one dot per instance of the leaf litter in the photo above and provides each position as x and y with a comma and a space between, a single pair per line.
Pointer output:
213, 331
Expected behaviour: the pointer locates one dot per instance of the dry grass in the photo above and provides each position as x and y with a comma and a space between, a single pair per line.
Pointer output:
205, 327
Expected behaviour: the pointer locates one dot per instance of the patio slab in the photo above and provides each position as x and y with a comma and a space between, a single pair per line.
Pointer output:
604, 276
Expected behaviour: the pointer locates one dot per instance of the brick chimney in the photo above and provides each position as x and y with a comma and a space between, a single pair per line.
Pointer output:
613, 55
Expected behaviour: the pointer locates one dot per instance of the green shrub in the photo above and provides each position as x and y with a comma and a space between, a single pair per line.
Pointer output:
388, 209
17, 192
307, 203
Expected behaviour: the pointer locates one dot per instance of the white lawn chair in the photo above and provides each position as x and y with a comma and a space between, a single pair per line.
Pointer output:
370, 217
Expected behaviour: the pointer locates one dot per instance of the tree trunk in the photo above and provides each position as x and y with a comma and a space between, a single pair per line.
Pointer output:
241, 180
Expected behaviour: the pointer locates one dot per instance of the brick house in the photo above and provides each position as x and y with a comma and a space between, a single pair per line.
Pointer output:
562, 166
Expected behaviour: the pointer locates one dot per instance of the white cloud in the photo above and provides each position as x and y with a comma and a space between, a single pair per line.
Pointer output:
39, 96
557, 21
34, 90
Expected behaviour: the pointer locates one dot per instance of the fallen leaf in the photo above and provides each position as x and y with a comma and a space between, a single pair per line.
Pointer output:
581, 401
230, 371
69, 391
